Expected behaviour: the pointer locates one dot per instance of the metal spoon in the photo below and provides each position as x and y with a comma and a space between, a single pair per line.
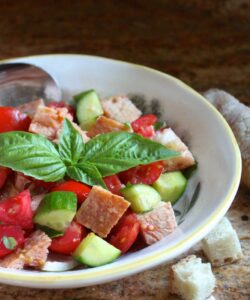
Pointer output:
22, 82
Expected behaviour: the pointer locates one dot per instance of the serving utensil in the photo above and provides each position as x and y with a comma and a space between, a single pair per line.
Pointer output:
22, 82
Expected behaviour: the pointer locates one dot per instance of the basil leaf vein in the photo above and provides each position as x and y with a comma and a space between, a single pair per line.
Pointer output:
87, 173
114, 152
31, 154
70, 143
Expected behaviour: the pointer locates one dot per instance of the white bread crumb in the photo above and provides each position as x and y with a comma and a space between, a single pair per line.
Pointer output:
222, 245
192, 279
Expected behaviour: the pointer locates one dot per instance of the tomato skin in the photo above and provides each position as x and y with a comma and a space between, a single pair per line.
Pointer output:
4, 172
17, 210
147, 174
10, 231
12, 120
72, 237
80, 189
61, 104
113, 183
125, 233
143, 125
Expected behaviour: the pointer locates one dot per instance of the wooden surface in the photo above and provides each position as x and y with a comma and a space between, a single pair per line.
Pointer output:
204, 43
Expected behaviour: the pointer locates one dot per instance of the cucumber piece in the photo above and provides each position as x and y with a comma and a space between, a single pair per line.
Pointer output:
171, 186
88, 108
57, 210
49, 231
93, 251
142, 197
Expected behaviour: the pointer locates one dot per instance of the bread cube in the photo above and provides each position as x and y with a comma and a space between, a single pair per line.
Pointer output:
121, 108
105, 125
192, 279
169, 139
158, 223
101, 211
222, 245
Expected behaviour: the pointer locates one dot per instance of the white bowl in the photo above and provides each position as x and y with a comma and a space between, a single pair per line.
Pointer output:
203, 128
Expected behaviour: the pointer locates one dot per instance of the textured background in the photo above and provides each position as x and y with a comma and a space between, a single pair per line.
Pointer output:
204, 43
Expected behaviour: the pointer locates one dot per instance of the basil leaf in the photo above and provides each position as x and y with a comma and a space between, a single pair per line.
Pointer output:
159, 125
86, 173
31, 154
9, 242
114, 152
70, 143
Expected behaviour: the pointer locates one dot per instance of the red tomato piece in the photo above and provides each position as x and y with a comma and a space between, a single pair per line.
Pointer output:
10, 231
147, 174
72, 237
144, 125
4, 172
144, 121
80, 189
12, 119
60, 104
17, 210
125, 232
113, 183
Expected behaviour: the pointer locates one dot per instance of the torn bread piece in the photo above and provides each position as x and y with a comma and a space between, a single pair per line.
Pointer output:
222, 245
30, 108
169, 139
34, 253
121, 108
101, 211
158, 223
191, 279
105, 125
48, 121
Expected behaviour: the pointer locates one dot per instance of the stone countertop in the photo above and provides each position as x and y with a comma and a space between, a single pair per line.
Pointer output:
204, 43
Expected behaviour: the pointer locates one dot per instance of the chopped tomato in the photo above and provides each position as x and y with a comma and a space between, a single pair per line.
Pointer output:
80, 189
10, 231
12, 119
124, 234
113, 183
55, 104
4, 172
72, 237
17, 210
147, 174
144, 125
45, 185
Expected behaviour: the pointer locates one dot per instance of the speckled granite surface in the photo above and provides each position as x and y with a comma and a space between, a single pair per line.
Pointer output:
204, 43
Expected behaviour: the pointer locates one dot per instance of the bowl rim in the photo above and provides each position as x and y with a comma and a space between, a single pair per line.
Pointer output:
67, 279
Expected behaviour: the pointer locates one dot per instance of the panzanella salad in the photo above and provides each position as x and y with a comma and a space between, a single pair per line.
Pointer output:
85, 184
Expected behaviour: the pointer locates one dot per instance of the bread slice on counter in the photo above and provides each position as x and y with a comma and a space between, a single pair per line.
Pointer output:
191, 279
222, 245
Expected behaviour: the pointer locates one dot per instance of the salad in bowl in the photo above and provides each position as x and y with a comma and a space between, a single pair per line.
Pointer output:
90, 181
99, 187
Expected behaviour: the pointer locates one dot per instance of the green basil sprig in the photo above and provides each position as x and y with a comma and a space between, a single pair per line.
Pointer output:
104, 155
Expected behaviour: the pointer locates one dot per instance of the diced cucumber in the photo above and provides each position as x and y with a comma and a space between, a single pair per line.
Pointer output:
93, 251
142, 197
57, 210
171, 186
88, 108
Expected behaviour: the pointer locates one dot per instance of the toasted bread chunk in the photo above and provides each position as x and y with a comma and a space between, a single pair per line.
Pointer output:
33, 254
101, 211
30, 108
105, 125
191, 279
158, 223
121, 108
168, 138
222, 245
48, 121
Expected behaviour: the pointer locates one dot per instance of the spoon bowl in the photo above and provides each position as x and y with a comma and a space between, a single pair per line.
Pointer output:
23, 82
